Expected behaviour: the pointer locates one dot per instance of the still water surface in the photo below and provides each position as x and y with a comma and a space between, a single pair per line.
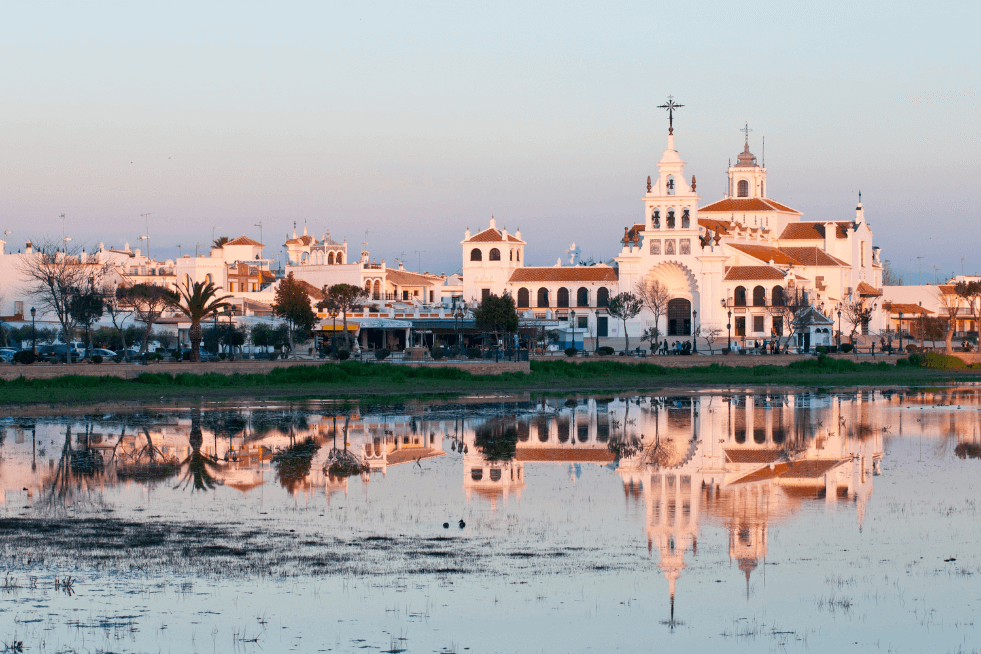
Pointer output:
732, 521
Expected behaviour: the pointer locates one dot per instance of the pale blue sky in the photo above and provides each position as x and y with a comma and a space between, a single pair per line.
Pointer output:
418, 121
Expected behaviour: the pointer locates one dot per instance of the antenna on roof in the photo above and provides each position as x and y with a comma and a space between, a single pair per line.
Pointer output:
764, 150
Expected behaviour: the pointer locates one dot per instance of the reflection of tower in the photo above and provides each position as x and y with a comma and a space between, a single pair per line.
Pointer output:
747, 525
487, 477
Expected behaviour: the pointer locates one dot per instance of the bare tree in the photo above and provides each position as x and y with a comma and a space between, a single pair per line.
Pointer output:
149, 302
654, 297
950, 305
711, 334
119, 311
793, 315
858, 314
55, 278
889, 276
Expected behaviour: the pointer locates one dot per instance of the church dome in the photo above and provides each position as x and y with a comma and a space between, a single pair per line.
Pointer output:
746, 158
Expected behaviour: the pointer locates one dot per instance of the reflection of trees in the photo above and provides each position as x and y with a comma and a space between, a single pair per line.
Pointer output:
74, 466
293, 462
496, 439
286, 421
147, 463
968, 450
201, 467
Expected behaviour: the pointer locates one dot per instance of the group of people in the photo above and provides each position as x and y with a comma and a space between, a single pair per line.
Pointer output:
677, 348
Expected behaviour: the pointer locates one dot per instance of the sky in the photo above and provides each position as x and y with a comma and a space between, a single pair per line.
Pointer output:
406, 123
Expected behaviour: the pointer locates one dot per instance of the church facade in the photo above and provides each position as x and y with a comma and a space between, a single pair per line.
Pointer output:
737, 261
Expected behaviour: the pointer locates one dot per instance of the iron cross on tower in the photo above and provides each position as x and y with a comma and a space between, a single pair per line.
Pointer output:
746, 130
670, 105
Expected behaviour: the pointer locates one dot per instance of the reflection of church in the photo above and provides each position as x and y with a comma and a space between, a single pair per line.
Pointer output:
757, 460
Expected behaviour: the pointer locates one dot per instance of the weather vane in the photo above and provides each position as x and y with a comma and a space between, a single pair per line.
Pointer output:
670, 105
746, 130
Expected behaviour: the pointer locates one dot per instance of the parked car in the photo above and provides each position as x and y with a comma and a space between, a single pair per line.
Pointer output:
205, 356
7, 354
58, 353
104, 353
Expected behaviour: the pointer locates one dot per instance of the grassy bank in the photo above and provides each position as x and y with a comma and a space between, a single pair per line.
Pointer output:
355, 378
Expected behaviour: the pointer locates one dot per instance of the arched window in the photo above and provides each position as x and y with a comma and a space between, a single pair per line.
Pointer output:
495, 255
208, 279
378, 289
685, 219
603, 297
475, 255
187, 282
562, 298
582, 297
339, 259
739, 296
305, 257
670, 184
742, 189
330, 259
518, 255
656, 219
523, 298
759, 297
511, 256
543, 297
777, 297
670, 220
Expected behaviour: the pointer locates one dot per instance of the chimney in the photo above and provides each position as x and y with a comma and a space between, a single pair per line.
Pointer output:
493, 223
466, 235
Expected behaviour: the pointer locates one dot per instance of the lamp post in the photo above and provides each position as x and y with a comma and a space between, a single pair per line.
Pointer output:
694, 332
729, 325
572, 321
33, 331
839, 326
900, 330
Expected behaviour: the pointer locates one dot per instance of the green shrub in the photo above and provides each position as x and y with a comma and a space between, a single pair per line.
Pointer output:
176, 355
343, 355
222, 356
25, 357
606, 350
571, 351
846, 347
915, 360
941, 361
382, 353
96, 358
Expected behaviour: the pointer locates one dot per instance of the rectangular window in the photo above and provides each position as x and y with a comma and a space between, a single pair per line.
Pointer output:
582, 322
862, 250
778, 325
684, 246
484, 294
669, 246
758, 324
740, 325
655, 246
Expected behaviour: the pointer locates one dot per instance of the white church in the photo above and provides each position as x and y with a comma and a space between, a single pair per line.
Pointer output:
728, 262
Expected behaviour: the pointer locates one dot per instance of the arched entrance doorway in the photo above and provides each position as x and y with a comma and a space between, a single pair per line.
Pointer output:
679, 317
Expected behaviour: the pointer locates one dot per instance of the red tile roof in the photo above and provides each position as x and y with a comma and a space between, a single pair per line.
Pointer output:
752, 273
412, 454
868, 289
812, 256
905, 308
564, 274
306, 239
564, 454
753, 456
406, 278
812, 231
764, 253
745, 205
244, 240
492, 235
715, 225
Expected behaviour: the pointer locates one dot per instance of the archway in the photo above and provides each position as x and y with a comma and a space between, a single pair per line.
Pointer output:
543, 297
562, 297
523, 302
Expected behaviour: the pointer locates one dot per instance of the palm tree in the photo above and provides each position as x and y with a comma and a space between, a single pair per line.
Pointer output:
197, 303
220, 242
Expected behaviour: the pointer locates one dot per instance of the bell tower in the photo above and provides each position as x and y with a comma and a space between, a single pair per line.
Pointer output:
747, 179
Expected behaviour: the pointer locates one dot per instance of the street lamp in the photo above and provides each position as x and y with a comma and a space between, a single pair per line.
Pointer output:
729, 324
694, 332
33, 331
839, 325
572, 321
900, 331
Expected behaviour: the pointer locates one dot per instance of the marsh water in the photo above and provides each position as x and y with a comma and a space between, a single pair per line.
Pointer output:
737, 521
